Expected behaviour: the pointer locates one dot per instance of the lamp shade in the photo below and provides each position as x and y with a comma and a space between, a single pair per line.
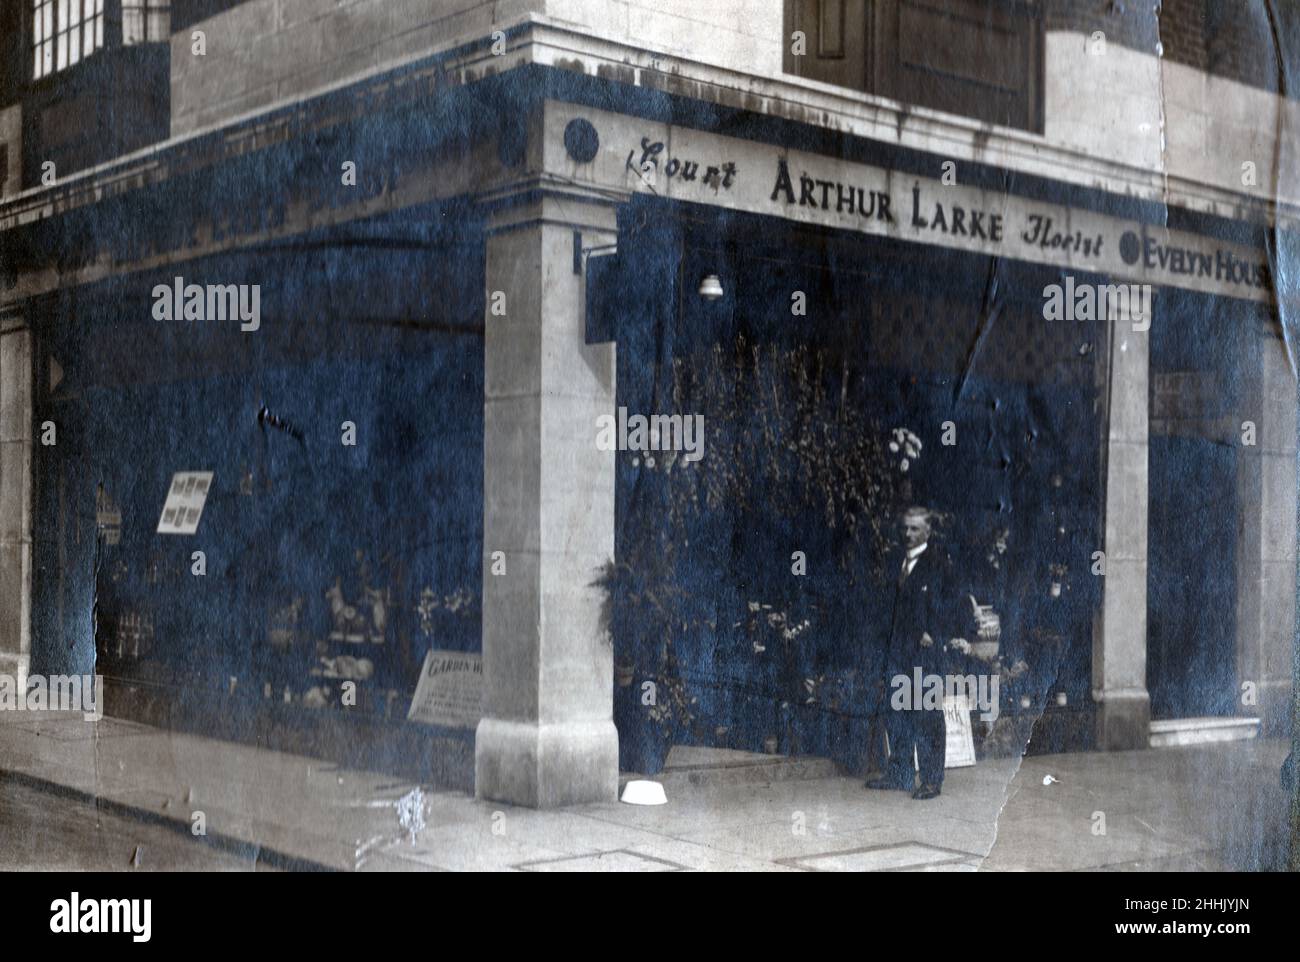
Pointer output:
711, 287
643, 792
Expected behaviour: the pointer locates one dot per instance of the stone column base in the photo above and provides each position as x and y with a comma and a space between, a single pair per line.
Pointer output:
1123, 721
546, 766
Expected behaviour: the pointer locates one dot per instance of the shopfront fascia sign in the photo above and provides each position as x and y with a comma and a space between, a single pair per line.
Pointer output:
690, 165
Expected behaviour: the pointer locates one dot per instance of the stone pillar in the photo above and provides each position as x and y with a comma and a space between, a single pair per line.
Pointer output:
15, 497
1119, 657
1266, 539
547, 736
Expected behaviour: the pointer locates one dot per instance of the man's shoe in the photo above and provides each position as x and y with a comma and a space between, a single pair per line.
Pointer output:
885, 783
925, 792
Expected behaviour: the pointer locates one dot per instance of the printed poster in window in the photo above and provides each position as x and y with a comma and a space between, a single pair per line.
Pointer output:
184, 504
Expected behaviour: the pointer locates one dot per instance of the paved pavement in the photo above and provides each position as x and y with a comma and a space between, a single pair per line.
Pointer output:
1189, 808
40, 832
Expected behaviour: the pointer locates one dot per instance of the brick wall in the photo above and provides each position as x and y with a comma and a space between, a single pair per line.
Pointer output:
1182, 31
1228, 38
1241, 44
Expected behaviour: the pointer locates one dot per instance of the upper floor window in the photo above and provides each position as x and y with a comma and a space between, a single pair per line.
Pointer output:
64, 32
977, 58
145, 21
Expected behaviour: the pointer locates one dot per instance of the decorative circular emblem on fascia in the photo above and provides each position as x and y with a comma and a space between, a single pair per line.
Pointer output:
581, 140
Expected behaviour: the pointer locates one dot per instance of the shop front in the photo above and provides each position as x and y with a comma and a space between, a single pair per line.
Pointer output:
807, 307
401, 454
267, 520
755, 582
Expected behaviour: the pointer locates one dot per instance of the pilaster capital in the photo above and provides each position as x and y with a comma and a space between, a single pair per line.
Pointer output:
548, 200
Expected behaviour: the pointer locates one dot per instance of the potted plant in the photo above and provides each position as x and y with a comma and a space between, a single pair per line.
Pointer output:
650, 698
784, 455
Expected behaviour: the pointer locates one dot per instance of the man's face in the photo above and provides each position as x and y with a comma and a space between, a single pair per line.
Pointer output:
916, 530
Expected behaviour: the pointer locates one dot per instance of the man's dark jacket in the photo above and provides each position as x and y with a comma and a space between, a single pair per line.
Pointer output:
921, 605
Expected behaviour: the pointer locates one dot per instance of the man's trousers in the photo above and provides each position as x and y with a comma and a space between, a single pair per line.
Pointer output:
922, 729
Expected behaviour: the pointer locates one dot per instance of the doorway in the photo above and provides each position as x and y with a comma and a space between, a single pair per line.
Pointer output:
1196, 399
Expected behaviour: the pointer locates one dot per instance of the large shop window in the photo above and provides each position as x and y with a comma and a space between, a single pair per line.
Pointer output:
977, 58
64, 32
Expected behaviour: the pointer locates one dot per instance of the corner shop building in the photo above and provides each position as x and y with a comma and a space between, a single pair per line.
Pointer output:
475, 427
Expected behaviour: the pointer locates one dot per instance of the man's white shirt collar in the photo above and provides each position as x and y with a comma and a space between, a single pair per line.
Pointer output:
914, 553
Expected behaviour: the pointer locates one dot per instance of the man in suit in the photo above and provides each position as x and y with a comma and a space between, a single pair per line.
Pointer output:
919, 637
